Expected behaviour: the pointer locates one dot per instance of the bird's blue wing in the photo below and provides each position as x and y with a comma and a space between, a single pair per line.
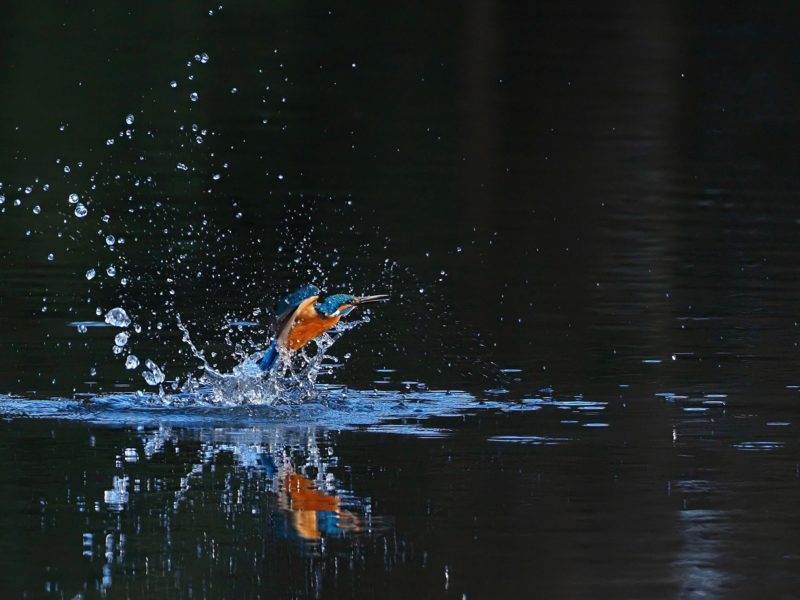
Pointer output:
284, 311
294, 299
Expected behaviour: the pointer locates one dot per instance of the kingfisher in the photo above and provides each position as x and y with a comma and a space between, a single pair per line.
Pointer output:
305, 315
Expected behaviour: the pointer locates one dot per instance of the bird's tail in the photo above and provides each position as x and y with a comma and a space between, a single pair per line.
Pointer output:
269, 358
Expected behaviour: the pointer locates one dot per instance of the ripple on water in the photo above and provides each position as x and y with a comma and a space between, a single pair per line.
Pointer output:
378, 410
334, 407
410, 429
758, 446
245, 398
528, 440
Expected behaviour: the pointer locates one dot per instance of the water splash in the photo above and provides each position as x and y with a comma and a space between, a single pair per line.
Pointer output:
175, 245
292, 381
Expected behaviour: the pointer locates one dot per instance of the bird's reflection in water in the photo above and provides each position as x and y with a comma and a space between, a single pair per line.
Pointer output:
239, 496
296, 472
313, 512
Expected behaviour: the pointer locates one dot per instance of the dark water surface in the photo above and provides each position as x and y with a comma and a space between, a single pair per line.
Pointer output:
586, 384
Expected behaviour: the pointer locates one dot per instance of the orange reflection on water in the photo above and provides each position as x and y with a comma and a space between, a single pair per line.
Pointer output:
314, 512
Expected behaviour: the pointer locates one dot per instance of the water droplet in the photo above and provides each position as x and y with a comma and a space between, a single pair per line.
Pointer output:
234, 90
67, 169
110, 142
121, 338
50, 256
193, 96
154, 376
28, 190
92, 371
117, 317
73, 198
110, 240
181, 167
90, 274
111, 271
131, 362
204, 58
82, 328
80, 211
37, 209
129, 119
173, 84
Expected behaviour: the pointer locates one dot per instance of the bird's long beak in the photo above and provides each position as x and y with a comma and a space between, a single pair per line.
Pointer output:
369, 299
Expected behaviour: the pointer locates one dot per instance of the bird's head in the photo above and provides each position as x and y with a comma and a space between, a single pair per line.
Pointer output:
339, 305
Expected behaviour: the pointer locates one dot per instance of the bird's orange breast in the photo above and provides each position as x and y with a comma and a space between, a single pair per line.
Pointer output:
308, 324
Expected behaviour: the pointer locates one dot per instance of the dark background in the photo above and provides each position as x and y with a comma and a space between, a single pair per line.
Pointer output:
600, 196
619, 178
